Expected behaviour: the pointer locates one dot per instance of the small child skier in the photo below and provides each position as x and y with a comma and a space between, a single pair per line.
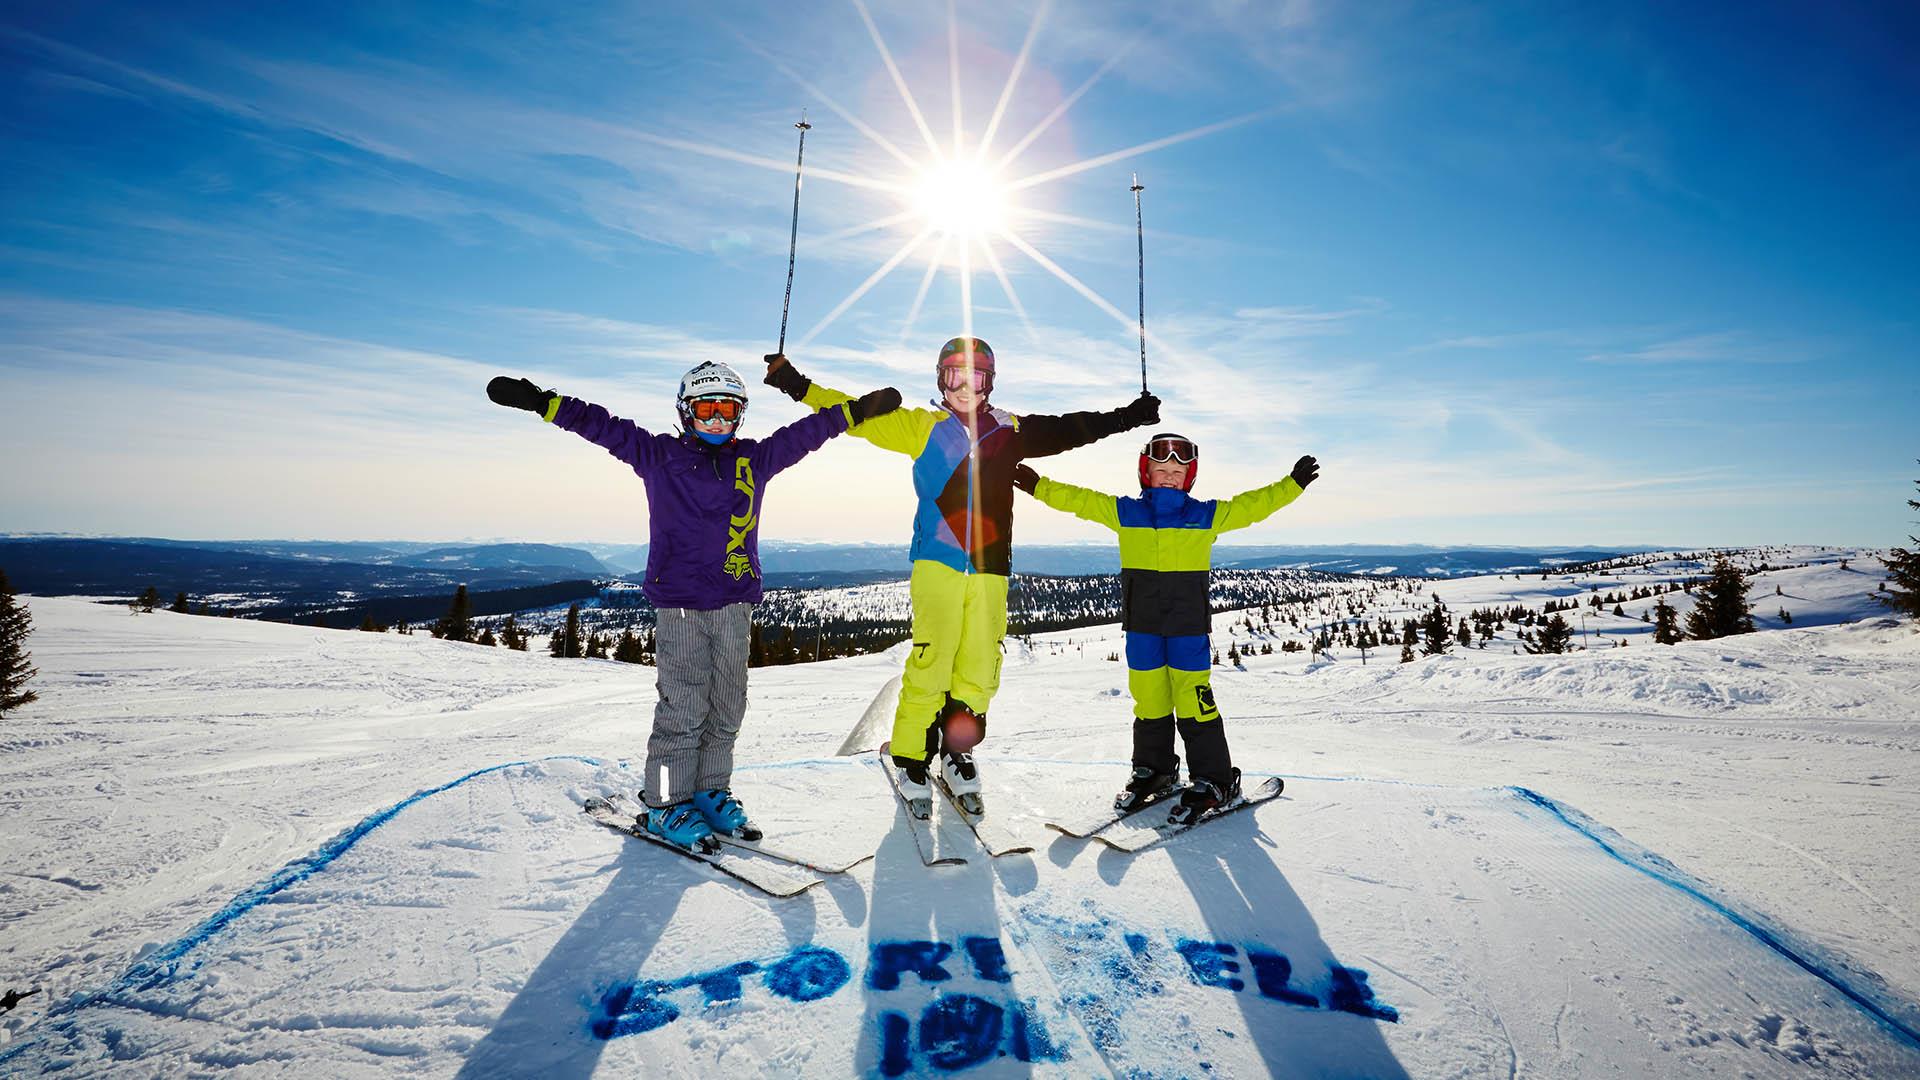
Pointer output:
963, 452
704, 488
1166, 556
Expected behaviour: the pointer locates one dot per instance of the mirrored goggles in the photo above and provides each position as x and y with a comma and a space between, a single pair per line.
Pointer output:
954, 376
1179, 450
724, 408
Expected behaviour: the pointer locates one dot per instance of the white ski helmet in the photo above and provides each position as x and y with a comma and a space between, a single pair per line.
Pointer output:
711, 380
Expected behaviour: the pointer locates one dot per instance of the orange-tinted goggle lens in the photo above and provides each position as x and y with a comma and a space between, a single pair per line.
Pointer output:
709, 408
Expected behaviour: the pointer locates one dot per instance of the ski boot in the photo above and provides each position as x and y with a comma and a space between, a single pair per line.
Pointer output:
1146, 787
915, 790
962, 778
1202, 797
724, 814
682, 826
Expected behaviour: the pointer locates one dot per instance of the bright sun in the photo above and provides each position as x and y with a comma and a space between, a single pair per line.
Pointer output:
961, 198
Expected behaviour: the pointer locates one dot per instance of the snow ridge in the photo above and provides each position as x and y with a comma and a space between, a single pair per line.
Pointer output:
163, 965
1654, 866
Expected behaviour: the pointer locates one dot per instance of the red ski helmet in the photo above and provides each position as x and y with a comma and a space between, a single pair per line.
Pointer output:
1168, 446
964, 353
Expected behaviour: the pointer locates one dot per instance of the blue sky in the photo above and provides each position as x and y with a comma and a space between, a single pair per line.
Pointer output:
1517, 274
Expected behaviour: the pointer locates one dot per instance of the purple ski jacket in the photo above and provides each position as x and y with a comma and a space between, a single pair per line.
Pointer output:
703, 501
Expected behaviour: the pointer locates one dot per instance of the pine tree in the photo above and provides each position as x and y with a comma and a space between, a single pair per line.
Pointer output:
1465, 636
1556, 634
1406, 652
1721, 609
16, 622
627, 649
180, 604
149, 599
369, 626
1666, 623
1438, 630
567, 641
1901, 590
457, 623
486, 637
512, 636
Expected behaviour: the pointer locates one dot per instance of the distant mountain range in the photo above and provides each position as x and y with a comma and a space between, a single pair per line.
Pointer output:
266, 572
284, 575
1067, 560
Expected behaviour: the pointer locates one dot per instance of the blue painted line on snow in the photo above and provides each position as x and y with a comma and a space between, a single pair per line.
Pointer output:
1580, 823
161, 967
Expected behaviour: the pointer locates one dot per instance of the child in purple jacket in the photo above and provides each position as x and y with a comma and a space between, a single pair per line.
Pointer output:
703, 573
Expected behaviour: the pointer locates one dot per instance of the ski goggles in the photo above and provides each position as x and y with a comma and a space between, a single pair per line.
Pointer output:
721, 408
954, 376
1180, 450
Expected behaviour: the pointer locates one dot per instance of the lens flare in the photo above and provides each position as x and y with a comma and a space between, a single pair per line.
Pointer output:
961, 198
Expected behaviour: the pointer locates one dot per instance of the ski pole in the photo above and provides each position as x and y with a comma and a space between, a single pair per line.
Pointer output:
793, 235
1140, 241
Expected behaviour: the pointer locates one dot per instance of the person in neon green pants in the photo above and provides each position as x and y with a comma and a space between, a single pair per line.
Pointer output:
964, 453
1166, 557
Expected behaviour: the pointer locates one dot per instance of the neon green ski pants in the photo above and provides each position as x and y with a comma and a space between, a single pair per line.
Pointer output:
958, 621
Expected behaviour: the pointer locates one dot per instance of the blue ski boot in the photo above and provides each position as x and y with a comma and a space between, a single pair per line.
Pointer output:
724, 814
680, 825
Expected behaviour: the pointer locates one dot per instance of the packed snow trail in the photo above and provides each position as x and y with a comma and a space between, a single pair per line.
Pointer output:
1348, 928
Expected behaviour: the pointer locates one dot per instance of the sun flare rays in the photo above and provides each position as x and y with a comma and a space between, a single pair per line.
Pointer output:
959, 194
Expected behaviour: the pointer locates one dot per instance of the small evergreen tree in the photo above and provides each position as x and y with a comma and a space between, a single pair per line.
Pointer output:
16, 622
1786, 617
180, 604
369, 626
568, 638
486, 637
1437, 628
627, 649
1406, 652
1721, 609
149, 599
512, 636
457, 623
1555, 636
1465, 635
1901, 590
1666, 623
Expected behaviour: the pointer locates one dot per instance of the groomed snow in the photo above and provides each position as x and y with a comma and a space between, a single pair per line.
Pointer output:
1689, 860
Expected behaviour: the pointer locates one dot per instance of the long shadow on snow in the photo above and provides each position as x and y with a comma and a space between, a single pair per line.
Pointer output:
1244, 900
918, 919
546, 1030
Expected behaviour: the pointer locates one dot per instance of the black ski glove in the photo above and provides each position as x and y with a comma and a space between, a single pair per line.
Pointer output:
1025, 478
877, 403
1144, 410
1306, 471
520, 394
784, 377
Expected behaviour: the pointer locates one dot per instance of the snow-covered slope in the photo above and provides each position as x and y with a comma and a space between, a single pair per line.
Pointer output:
343, 854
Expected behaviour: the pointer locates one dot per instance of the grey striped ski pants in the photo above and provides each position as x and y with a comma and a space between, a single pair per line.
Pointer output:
702, 661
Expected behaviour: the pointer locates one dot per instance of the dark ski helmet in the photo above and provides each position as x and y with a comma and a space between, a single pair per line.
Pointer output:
964, 353
1168, 446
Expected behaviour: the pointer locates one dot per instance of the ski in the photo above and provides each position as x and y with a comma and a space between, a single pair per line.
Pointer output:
620, 814
922, 830
1090, 825
760, 847
1137, 835
992, 833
